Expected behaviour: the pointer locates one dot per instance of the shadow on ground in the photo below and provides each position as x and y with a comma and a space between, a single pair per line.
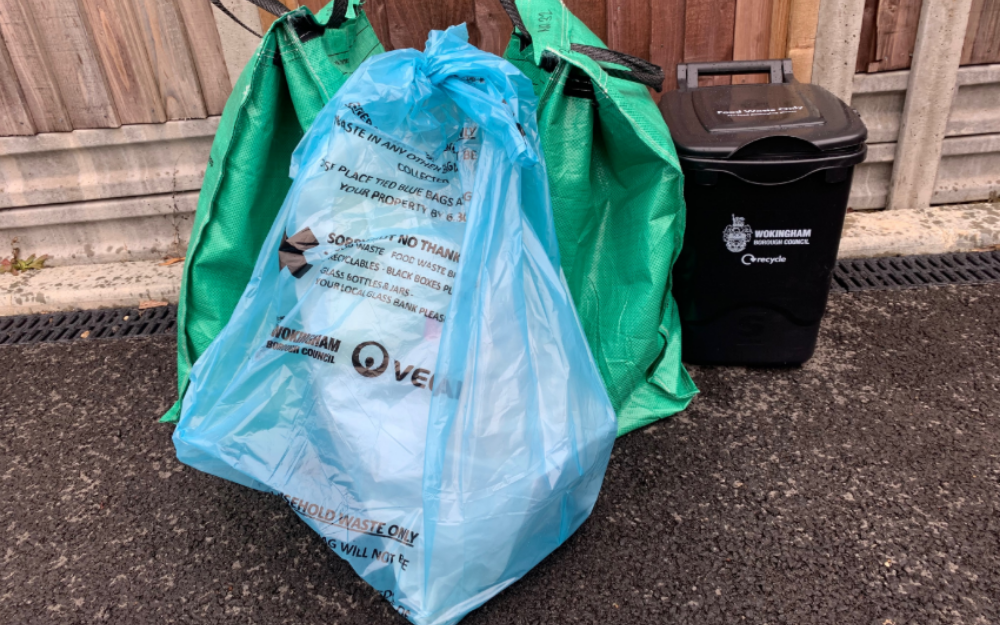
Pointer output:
862, 488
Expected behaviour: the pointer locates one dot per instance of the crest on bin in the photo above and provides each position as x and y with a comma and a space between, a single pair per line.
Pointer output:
737, 235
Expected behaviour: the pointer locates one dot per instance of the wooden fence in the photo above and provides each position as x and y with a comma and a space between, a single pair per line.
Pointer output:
74, 64
666, 32
889, 32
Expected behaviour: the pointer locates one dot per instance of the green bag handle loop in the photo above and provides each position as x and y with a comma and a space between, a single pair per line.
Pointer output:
637, 69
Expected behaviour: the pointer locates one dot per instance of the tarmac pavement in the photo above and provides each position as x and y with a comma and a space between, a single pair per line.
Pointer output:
862, 488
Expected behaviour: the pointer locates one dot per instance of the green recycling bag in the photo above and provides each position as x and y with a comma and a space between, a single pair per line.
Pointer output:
616, 185
617, 195
298, 66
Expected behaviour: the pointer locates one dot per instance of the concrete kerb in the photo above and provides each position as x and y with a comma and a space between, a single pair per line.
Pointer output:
86, 287
937, 230
934, 230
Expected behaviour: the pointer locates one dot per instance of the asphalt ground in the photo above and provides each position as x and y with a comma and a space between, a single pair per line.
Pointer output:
861, 488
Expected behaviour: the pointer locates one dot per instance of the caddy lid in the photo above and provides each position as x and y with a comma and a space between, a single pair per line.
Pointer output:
779, 119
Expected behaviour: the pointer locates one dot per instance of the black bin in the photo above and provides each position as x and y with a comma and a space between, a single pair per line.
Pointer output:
767, 171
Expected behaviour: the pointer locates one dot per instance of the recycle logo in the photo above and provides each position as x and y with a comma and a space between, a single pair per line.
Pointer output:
737, 235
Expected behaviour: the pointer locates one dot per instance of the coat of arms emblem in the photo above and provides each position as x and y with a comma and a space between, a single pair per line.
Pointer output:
737, 235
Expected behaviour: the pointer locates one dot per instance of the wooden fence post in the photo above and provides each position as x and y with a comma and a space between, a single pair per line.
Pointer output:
929, 95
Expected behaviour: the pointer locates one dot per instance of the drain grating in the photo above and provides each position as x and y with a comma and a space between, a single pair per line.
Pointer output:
852, 275
88, 324
912, 272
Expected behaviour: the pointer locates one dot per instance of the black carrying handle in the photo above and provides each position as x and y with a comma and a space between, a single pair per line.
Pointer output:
277, 9
780, 71
510, 7
218, 4
636, 69
639, 70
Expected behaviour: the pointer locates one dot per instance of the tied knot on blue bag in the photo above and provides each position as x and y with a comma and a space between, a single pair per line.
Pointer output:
433, 90
458, 67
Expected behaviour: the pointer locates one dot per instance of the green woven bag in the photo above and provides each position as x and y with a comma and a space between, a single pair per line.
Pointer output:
617, 195
617, 192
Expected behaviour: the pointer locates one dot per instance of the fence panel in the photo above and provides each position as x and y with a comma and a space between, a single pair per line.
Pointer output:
14, 116
125, 61
409, 22
752, 38
491, 27
667, 38
73, 61
593, 13
802, 21
266, 19
38, 83
781, 12
104, 63
170, 56
982, 40
889, 32
630, 27
206, 48
708, 34
82, 64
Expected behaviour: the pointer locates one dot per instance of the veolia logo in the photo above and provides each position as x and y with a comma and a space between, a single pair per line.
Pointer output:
737, 235
371, 360
368, 368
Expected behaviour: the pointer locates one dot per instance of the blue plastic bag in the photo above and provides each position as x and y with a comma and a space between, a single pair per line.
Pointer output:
406, 367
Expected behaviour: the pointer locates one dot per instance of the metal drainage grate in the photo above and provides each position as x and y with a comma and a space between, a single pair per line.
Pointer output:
89, 324
852, 275
912, 272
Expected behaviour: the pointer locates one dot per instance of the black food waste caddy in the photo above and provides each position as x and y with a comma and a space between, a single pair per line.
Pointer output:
768, 170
